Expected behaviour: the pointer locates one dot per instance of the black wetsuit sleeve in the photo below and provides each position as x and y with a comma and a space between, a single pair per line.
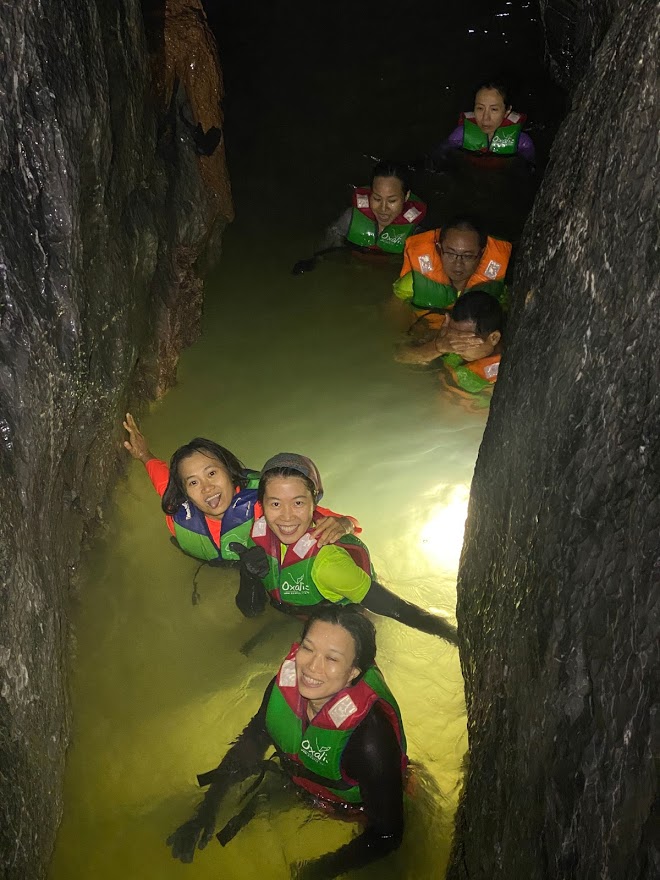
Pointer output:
241, 761
382, 601
335, 234
250, 746
373, 758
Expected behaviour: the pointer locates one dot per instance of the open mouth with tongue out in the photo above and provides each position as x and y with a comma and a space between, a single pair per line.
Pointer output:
213, 501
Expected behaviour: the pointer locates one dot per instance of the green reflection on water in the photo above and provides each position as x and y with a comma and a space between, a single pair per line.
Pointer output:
159, 686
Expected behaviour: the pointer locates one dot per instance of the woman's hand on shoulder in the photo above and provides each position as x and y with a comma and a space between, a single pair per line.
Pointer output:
330, 529
136, 444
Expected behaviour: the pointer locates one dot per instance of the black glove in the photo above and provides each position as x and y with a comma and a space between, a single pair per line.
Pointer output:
193, 834
303, 266
253, 560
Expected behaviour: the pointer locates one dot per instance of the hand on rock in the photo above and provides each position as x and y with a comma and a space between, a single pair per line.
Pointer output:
136, 443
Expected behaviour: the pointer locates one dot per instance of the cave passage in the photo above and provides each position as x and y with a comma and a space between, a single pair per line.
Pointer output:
302, 364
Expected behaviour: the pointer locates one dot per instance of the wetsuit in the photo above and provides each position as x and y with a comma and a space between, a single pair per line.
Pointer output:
299, 576
372, 758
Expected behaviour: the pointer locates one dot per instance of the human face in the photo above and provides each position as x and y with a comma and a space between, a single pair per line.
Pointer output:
207, 483
325, 662
460, 253
489, 110
288, 508
386, 199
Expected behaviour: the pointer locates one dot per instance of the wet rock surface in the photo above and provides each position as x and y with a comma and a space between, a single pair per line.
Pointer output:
106, 211
574, 30
558, 595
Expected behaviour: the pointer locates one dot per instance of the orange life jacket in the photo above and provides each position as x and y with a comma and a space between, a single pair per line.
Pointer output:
432, 287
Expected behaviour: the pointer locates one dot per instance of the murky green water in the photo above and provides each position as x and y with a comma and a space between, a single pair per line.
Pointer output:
301, 364
160, 686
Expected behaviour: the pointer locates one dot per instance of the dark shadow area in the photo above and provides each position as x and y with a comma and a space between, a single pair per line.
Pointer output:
313, 94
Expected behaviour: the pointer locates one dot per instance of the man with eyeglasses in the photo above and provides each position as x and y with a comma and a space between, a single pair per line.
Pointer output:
440, 265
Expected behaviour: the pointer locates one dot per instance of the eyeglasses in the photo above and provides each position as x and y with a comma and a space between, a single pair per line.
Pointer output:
458, 258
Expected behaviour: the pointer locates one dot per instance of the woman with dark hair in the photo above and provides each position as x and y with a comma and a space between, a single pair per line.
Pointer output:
337, 733
297, 573
380, 219
492, 127
207, 493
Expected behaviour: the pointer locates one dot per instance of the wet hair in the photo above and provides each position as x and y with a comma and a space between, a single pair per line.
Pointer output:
496, 85
284, 472
465, 224
353, 619
389, 168
175, 492
482, 308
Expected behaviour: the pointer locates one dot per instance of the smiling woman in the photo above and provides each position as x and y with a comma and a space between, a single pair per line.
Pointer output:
380, 219
207, 493
280, 549
338, 735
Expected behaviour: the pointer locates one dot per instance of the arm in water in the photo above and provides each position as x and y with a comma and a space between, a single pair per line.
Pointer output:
338, 577
380, 600
241, 761
333, 240
373, 758
335, 234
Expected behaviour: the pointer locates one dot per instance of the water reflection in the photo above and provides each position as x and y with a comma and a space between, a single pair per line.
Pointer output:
441, 538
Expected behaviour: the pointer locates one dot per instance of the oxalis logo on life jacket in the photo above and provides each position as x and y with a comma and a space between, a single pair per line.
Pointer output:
316, 753
298, 586
393, 239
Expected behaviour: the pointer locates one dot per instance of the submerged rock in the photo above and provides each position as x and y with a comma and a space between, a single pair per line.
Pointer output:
107, 207
558, 594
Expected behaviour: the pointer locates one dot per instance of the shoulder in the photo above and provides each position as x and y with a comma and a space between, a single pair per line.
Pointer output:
332, 555
421, 240
374, 742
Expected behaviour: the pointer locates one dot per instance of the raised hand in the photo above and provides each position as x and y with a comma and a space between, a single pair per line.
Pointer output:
136, 444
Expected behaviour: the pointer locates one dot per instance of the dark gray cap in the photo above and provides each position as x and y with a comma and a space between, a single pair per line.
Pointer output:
299, 463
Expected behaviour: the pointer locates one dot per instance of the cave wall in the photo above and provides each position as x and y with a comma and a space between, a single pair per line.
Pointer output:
574, 29
107, 208
558, 591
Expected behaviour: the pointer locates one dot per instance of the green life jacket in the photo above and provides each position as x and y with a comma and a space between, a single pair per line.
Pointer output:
471, 377
363, 230
315, 748
290, 581
192, 532
504, 141
430, 294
